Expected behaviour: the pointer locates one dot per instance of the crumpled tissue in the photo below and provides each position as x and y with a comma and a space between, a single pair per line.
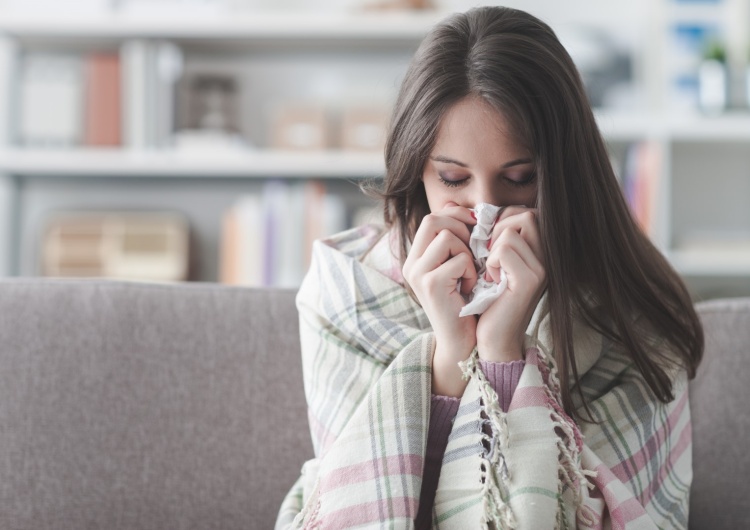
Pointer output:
484, 292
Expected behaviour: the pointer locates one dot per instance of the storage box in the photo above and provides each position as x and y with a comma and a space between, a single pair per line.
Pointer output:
364, 128
301, 127
136, 246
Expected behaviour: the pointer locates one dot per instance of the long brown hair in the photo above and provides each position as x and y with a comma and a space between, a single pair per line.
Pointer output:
593, 248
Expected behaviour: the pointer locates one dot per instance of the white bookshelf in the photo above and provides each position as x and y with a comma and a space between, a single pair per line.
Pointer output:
262, 163
717, 263
283, 47
691, 143
733, 126
269, 26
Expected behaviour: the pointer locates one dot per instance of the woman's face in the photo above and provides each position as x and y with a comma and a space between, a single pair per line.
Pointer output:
477, 159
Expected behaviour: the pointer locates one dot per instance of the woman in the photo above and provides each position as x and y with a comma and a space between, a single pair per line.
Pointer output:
564, 403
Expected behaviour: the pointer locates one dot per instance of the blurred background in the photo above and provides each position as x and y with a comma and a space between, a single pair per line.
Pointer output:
213, 140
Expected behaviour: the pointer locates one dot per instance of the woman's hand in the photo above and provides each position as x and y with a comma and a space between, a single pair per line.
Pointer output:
439, 257
516, 248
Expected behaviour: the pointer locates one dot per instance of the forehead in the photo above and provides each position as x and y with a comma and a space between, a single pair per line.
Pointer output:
472, 128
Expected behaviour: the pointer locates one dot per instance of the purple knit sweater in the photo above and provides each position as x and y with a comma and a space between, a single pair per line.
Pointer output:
504, 378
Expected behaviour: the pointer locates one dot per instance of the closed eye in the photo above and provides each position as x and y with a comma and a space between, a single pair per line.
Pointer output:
452, 182
528, 179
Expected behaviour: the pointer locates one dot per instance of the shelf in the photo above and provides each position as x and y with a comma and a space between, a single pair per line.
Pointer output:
711, 263
728, 127
271, 26
616, 127
732, 126
620, 126
241, 164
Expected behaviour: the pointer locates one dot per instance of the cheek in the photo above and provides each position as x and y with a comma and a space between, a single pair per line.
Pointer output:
522, 197
435, 195
531, 199
528, 198
439, 197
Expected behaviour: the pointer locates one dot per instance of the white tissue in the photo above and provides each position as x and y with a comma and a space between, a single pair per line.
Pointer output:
484, 292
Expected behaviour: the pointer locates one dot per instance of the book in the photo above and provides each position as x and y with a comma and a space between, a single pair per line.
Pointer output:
334, 215
641, 183
243, 242
134, 61
291, 244
325, 215
274, 202
315, 193
102, 121
229, 244
150, 73
267, 236
51, 100
9, 55
249, 211
168, 68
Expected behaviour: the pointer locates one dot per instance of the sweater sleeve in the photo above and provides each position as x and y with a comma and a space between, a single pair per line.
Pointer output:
503, 377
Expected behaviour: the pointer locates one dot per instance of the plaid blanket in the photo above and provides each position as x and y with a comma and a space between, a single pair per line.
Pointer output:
366, 353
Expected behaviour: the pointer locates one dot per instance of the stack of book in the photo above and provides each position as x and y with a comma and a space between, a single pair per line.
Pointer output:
640, 182
267, 237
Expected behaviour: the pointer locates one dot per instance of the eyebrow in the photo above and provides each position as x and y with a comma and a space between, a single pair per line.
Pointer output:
512, 163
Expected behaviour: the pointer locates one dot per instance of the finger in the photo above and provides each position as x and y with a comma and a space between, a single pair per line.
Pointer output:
459, 267
464, 215
445, 246
429, 228
511, 241
523, 222
511, 238
521, 279
509, 211
452, 218
514, 268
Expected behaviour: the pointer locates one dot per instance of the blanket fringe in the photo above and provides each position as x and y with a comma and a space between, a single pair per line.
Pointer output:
570, 445
495, 509
309, 511
495, 472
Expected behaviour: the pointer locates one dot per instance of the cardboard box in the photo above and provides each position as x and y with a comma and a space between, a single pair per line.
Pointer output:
135, 246
301, 127
364, 128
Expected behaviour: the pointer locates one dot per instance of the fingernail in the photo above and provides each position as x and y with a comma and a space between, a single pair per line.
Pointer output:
473, 215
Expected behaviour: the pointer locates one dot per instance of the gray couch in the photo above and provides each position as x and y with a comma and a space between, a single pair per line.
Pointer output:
149, 406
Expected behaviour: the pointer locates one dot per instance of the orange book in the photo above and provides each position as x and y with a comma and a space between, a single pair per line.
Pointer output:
647, 186
102, 106
229, 253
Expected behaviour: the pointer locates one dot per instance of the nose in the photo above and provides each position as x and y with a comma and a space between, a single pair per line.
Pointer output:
484, 194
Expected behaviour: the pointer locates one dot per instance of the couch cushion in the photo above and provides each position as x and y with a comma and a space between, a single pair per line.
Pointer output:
149, 406
720, 408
